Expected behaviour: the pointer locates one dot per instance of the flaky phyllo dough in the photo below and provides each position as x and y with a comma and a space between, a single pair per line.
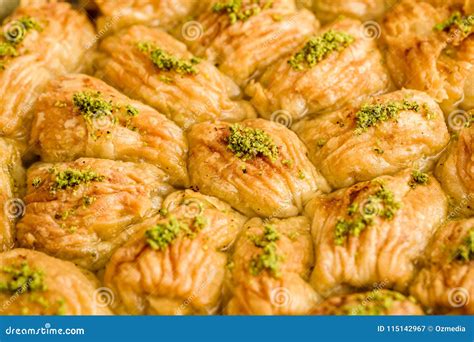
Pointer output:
351, 70
66, 126
175, 263
376, 302
384, 135
374, 232
329, 10
243, 48
258, 166
39, 43
12, 184
116, 14
270, 268
34, 283
149, 65
83, 210
446, 281
430, 47
455, 171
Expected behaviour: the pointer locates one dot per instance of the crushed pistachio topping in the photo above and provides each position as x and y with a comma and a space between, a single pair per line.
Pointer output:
379, 150
321, 142
318, 48
418, 178
370, 115
236, 10
131, 111
22, 279
268, 259
381, 204
62, 307
166, 62
88, 200
465, 251
72, 178
464, 23
163, 234
248, 143
36, 182
376, 302
14, 33
92, 105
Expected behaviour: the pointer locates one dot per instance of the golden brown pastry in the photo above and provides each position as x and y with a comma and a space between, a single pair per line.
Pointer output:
149, 65
83, 210
164, 13
455, 171
430, 47
81, 116
33, 283
338, 66
175, 263
12, 182
245, 40
374, 231
386, 134
270, 266
257, 166
39, 42
328, 10
376, 302
446, 281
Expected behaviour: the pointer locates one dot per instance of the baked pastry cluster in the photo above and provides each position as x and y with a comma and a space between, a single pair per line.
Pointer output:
237, 157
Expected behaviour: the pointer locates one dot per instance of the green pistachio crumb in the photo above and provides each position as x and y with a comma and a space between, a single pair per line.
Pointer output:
379, 150
131, 111
62, 307
376, 302
465, 251
236, 12
268, 259
318, 48
166, 62
463, 23
163, 234
7, 50
14, 34
381, 204
418, 177
200, 222
430, 115
72, 178
165, 79
321, 142
370, 115
22, 279
248, 143
36, 182
40, 299
92, 105
88, 200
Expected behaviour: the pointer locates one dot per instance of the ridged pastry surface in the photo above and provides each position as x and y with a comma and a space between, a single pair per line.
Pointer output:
55, 287
129, 130
83, 210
